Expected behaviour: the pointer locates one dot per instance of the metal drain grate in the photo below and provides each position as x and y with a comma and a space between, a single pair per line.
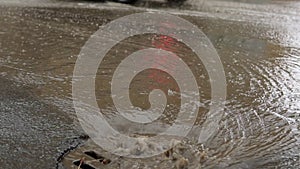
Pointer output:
91, 160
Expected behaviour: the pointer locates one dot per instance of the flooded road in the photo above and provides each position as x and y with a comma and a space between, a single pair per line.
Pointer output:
259, 46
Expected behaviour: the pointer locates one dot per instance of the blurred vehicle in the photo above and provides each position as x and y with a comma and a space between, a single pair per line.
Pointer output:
133, 1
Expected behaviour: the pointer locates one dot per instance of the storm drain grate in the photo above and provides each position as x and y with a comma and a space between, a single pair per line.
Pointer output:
90, 160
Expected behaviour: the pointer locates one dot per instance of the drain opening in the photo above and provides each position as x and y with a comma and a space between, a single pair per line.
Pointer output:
96, 156
83, 165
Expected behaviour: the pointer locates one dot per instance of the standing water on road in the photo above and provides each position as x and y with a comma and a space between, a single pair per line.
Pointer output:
259, 47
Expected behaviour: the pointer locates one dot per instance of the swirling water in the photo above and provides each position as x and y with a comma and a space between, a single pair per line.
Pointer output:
259, 49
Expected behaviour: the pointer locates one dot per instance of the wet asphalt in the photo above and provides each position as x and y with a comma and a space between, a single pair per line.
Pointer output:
260, 48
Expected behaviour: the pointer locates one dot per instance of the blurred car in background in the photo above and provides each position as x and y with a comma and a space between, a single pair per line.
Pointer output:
133, 1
